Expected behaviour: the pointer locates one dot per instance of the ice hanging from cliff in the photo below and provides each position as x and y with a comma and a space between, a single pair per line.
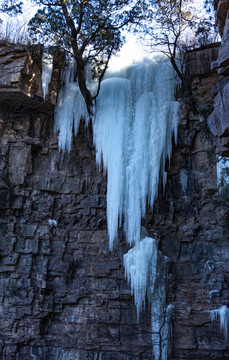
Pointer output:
47, 66
223, 314
140, 264
135, 117
70, 109
146, 271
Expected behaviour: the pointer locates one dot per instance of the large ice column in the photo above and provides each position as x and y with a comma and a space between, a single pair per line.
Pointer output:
111, 132
47, 67
149, 119
146, 271
135, 117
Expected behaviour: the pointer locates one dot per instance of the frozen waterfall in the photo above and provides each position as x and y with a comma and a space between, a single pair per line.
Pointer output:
135, 117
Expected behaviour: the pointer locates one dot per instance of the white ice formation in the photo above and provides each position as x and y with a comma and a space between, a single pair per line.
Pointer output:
146, 271
135, 117
47, 67
223, 315
70, 109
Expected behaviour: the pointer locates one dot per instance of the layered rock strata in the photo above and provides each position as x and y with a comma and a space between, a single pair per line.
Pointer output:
219, 120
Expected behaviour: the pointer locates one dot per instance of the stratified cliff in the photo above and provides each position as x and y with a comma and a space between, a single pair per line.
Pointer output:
63, 294
219, 120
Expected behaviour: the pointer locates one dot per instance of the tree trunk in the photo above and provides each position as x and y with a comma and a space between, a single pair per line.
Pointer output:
83, 87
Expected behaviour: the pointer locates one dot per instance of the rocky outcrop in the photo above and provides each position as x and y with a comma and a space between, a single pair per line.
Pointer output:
20, 76
219, 120
63, 294
199, 73
221, 8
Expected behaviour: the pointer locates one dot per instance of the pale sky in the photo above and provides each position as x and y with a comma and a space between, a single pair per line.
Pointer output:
131, 51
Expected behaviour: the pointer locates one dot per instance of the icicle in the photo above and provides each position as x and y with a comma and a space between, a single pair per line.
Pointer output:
223, 314
47, 66
146, 271
70, 109
140, 269
110, 129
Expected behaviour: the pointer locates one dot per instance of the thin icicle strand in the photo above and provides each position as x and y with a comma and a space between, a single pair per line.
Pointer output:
47, 66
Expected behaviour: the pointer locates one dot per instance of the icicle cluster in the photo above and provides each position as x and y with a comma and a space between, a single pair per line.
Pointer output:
70, 109
135, 117
47, 66
223, 314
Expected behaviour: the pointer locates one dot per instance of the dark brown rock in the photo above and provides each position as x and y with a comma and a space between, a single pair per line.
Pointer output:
218, 121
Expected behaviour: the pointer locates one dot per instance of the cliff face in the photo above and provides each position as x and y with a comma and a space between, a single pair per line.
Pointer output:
219, 120
63, 294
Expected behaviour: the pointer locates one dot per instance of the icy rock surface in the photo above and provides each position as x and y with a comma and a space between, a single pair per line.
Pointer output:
135, 117
47, 66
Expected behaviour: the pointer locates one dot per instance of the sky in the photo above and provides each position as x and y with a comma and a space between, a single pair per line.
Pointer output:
131, 51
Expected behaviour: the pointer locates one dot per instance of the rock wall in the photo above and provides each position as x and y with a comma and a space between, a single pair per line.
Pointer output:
219, 120
63, 295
